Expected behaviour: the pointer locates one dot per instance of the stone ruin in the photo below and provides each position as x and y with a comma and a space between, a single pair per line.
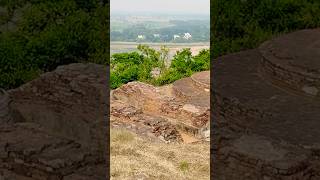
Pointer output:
178, 112
266, 110
54, 127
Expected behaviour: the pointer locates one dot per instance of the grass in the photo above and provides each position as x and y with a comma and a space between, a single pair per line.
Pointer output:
122, 136
133, 157
184, 166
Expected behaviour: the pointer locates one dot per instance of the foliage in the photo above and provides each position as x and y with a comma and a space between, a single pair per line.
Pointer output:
238, 25
137, 66
52, 33
18, 69
168, 76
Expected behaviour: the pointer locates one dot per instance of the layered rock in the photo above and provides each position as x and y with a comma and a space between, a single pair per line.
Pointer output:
167, 111
58, 128
266, 110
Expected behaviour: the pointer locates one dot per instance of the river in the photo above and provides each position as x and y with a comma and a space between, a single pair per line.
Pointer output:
118, 47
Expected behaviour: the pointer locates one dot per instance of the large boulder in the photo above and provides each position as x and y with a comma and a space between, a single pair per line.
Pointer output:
58, 126
265, 120
70, 102
183, 104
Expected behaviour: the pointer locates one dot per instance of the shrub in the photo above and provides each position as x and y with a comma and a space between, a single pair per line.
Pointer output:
182, 65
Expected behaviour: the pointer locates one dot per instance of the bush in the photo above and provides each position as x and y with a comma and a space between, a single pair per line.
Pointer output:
15, 68
169, 76
135, 66
201, 61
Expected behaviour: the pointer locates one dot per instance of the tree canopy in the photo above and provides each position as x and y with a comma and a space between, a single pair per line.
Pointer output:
51, 33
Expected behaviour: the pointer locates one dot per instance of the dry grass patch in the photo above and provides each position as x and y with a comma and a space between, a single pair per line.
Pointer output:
133, 157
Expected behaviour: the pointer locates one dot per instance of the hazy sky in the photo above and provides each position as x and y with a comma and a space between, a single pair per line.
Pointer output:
161, 6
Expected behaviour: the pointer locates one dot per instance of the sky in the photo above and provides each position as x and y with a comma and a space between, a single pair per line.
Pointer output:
161, 6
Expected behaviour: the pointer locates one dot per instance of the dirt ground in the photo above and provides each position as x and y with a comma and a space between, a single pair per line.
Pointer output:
133, 157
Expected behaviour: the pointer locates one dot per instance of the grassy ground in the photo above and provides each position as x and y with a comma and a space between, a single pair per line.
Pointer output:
133, 157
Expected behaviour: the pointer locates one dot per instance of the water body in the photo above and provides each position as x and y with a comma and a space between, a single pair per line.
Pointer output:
119, 47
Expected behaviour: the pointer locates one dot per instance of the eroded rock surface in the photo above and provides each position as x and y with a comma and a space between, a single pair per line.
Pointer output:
164, 112
58, 127
265, 126
5, 114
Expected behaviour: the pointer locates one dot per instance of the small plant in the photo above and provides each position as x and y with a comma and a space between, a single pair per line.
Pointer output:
184, 166
122, 136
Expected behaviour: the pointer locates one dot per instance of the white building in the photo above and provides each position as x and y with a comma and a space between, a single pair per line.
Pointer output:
176, 36
156, 35
141, 37
187, 36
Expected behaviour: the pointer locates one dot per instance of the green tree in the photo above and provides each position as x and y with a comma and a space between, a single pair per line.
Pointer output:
182, 61
201, 61
51, 33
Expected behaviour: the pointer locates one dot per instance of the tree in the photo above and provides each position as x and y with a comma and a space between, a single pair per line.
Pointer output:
11, 6
182, 61
52, 33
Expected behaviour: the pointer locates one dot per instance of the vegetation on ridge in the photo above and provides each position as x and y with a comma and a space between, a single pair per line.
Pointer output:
138, 66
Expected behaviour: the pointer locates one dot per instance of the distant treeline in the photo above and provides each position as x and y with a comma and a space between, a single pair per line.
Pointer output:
199, 30
244, 24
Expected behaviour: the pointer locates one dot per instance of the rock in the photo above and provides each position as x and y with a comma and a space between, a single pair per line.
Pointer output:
162, 109
62, 94
58, 125
5, 100
206, 134
266, 110
310, 90
191, 108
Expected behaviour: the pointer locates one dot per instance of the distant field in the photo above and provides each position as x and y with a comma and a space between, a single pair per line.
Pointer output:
118, 47
117, 25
